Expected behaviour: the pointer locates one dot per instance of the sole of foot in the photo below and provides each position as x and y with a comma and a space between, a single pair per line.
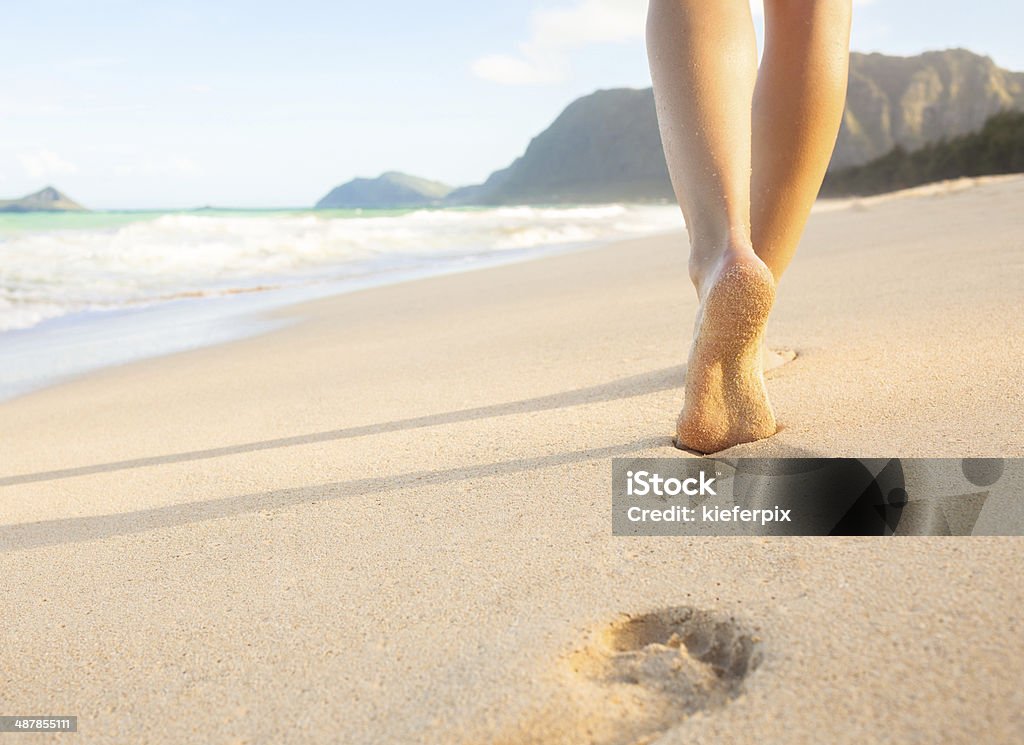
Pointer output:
726, 402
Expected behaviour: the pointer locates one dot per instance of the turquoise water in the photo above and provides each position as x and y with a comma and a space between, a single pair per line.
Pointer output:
27, 222
84, 290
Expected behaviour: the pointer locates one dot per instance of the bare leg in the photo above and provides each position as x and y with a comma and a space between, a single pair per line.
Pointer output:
703, 63
798, 106
746, 189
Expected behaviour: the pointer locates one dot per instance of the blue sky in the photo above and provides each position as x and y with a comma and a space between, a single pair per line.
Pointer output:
177, 104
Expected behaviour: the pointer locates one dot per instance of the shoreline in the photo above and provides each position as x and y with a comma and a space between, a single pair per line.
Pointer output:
120, 336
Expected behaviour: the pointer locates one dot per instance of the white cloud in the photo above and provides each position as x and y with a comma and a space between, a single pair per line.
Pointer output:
42, 164
556, 32
509, 70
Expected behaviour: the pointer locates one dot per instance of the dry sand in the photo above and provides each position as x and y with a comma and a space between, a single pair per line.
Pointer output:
390, 521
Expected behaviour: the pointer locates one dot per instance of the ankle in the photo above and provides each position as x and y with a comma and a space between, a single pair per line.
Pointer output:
706, 263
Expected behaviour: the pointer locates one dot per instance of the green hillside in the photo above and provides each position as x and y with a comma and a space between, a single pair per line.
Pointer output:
997, 148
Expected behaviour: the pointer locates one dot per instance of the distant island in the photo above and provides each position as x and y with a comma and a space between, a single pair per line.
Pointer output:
606, 147
47, 199
391, 189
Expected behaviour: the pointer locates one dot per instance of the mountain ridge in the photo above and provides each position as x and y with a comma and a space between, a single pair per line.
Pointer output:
606, 146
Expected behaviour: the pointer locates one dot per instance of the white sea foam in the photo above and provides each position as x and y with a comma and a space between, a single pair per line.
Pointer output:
52, 270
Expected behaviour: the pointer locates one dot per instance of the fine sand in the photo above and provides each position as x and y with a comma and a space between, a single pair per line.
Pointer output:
390, 521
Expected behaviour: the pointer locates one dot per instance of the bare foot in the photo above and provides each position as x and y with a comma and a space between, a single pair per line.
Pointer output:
726, 402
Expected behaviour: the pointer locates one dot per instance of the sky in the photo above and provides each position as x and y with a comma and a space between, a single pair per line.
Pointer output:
139, 104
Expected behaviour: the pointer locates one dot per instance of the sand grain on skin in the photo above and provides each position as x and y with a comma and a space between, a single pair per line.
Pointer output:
726, 401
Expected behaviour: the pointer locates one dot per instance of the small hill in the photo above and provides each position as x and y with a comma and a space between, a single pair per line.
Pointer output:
45, 200
998, 148
389, 190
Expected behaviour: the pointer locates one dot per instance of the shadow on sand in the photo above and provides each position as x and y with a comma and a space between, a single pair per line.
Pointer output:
634, 385
72, 530
76, 529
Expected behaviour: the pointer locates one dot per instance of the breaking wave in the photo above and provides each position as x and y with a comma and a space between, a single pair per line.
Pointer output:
50, 269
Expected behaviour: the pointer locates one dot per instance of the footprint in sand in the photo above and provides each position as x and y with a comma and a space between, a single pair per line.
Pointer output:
641, 675
655, 669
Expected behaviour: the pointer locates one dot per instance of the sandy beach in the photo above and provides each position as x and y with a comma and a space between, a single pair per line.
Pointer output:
389, 521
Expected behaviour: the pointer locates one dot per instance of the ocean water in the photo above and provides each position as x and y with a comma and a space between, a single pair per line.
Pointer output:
61, 264
81, 291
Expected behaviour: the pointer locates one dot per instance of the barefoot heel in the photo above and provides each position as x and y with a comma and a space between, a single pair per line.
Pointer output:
726, 402
738, 306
